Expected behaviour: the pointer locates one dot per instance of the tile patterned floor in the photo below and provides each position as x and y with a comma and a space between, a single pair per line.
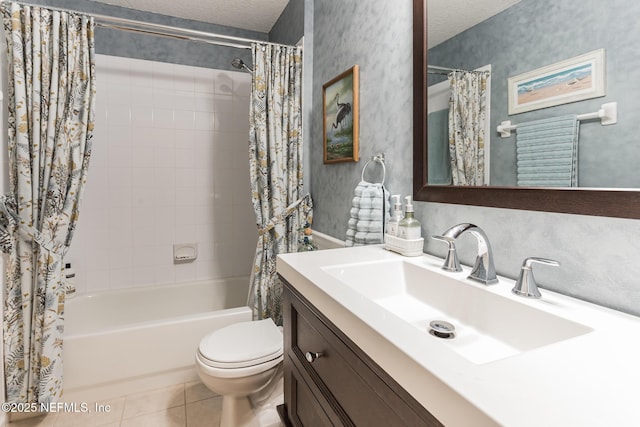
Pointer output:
184, 405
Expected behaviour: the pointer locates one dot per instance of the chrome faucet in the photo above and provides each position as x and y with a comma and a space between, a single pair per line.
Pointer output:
483, 270
526, 285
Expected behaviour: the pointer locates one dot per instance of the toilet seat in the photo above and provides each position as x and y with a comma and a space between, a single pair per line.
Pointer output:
242, 345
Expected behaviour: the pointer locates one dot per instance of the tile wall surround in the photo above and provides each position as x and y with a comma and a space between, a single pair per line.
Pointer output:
169, 165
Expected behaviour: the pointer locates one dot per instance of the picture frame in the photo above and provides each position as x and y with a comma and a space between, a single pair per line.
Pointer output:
571, 80
340, 117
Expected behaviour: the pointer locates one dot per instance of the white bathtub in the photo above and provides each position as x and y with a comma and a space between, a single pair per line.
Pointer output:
125, 341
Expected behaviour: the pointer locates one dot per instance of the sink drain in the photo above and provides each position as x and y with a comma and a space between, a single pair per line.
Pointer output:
442, 329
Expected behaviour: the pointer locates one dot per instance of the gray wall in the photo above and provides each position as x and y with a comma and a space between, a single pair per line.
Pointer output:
376, 35
536, 33
598, 254
133, 45
289, 28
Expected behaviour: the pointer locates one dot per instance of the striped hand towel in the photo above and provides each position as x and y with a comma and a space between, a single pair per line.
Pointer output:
547, 152
368, 214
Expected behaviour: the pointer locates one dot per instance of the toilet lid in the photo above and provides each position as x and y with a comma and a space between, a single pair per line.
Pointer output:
242, 344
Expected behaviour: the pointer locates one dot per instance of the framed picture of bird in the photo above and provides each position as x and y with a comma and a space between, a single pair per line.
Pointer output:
340, 117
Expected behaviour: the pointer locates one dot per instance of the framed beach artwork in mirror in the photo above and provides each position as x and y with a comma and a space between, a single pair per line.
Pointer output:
572, 80
340, 117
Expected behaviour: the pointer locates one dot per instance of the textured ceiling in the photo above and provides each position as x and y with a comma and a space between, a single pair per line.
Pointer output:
255, 15
446, 18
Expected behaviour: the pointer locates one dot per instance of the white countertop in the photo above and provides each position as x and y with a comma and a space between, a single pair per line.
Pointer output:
588, 380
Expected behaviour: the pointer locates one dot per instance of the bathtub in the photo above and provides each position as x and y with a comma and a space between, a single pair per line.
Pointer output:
126, 341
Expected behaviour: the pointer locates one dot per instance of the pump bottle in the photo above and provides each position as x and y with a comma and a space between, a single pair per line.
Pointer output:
396, 216
69, 281
409, 228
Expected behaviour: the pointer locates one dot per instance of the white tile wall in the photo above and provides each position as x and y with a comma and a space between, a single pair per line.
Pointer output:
169, 165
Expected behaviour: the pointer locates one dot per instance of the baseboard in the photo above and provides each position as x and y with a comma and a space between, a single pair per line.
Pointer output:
111, 390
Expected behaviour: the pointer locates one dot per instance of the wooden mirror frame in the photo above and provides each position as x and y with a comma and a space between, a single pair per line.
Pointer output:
621, 203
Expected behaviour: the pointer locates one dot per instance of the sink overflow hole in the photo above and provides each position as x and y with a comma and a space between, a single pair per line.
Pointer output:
442, 329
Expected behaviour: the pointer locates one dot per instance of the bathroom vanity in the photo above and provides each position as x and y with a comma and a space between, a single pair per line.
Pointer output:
330, 381
358, 349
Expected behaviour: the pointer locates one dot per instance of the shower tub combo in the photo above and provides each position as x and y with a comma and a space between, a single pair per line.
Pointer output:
125, 341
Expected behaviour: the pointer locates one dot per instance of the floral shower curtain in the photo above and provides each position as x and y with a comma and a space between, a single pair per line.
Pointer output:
467, 113
51, 102
275, 156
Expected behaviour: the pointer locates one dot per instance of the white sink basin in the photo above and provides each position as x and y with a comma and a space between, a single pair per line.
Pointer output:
488, 326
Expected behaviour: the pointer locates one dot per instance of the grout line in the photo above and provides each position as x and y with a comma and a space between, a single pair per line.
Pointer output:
124, 405
184, 392
186, 420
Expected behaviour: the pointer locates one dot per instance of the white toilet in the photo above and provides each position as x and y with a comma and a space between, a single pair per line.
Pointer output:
237, 361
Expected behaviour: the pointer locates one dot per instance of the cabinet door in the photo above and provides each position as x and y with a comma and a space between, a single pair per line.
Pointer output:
303, 406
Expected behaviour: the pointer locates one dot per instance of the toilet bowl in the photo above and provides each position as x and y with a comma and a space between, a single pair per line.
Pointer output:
237, 361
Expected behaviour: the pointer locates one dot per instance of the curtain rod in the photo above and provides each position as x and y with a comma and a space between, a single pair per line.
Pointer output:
435, 69
131, 25
173, 36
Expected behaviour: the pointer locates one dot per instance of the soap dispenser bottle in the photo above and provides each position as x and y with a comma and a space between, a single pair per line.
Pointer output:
409, 228
396, 216
69, 281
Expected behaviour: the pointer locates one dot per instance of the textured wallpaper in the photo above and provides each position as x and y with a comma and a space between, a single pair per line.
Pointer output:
375, 35
597, 254
536, 33
289, 27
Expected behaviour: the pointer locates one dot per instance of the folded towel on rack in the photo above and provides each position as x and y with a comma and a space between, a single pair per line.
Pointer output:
369, 212
547, 152
438, 157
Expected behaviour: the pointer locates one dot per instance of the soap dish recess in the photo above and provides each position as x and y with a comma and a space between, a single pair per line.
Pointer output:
404, 247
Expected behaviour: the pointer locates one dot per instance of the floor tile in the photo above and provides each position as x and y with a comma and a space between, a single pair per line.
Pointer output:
103, 413
195, 391
204, 413
41, 421
153, 401
185, 405
174, 417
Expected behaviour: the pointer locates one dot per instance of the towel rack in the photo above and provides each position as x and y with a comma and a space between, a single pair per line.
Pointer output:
377, 158
608, 115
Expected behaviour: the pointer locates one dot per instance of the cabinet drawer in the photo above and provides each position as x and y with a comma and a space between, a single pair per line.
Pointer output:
350, 382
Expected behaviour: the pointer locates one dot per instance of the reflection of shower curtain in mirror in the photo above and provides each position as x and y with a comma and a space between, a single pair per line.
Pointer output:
467, 115
438, 156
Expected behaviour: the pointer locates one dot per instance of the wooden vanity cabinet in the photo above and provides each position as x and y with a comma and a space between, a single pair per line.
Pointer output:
340, 385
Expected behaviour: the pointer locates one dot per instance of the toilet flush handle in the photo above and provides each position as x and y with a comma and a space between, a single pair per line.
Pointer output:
312, 356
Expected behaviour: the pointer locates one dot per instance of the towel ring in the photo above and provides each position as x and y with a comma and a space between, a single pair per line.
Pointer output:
378, 158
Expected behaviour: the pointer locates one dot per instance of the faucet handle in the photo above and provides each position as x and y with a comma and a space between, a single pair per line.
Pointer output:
451, 262
528, 261
526, 284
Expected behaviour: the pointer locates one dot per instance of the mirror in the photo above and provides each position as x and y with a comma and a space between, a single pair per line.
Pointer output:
618, 202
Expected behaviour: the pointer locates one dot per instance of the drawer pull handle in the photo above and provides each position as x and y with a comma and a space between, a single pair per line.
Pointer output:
311, 357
